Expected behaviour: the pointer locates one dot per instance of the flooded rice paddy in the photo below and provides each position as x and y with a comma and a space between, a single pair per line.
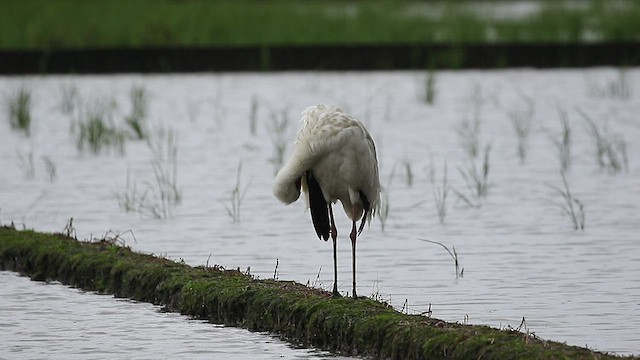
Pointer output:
199, 190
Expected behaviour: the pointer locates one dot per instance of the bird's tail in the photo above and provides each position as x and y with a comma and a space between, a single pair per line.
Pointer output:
319, 207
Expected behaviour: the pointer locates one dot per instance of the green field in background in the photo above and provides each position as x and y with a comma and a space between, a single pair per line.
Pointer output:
50, 24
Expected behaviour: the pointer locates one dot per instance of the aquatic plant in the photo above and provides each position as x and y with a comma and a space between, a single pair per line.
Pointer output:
135, 120
68, 98
95, 129
253, 116
19, 105
430, 87
440, 192
236, 196
563, 145
476, 181
571, 206
277, 129
159, 197
610, 149
128, 201
616, 88
408, 172
25, 162
454, 256
469, 134
468, 129
521, 120
50, 167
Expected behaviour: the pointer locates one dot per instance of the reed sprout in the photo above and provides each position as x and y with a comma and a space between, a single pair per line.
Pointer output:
139, 104
563, 144
157, 198
95, 129
165, 192
236, 196
69, 98
278, 133
476, 180
610, 149
469, 134
616, 88
521, 120
452, 253
440, 192
430, 87
408, 172
19, 106
571, 206
253, 116
26, 164
51, 168
129, 200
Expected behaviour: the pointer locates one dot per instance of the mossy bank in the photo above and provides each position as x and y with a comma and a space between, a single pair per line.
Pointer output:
301, 314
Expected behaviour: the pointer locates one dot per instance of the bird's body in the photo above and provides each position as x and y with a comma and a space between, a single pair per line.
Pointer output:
334, 158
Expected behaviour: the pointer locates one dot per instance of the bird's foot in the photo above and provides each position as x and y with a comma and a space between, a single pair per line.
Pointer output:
335, 292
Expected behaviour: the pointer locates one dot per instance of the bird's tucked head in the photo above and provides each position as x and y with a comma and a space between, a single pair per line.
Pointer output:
287, 191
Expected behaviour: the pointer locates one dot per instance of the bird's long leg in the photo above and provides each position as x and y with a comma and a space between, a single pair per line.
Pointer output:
334, 237
354, 234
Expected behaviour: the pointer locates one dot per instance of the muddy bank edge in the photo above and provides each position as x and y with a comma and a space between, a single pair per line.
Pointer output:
298, 313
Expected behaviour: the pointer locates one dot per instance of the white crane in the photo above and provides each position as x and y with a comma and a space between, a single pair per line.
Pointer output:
334, 158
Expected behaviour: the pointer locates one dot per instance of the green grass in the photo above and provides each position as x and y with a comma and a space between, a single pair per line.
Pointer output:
19, 108
36, 24
303, 315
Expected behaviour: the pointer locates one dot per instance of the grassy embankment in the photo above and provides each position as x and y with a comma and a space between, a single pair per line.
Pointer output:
299, 313
54, 24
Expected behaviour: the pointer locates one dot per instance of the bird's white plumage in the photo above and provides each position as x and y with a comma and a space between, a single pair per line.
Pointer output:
334, 158
342, 156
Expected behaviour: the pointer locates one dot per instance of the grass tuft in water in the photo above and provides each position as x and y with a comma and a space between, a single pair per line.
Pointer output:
476, 180
563, 144
68, 98
160, 196
571, 206
429, 95
277, 129
521, 120
19, 105
164, 194
610, 149
440, 192
26, 164
253, 116
454, 256
139, 104
50, 167
236, 196
616, 88
95, 129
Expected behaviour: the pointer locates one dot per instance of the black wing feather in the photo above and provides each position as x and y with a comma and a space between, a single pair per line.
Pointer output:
319, 208
366, 205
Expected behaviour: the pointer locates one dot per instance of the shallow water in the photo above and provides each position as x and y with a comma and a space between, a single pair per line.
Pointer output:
520, 254
40, 320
